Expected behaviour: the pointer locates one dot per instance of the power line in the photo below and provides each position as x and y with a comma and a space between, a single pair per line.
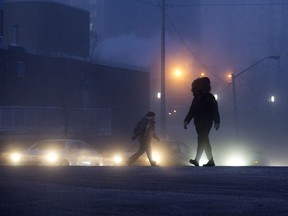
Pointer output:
148, 3
212, 4
229, 4
181, 38
190, 49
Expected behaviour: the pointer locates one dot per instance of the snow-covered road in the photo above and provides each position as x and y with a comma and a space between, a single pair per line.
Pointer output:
37, 191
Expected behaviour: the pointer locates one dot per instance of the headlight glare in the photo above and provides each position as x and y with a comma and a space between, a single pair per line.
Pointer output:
15, 157
156, 157
236, 161
52, 157
117, 159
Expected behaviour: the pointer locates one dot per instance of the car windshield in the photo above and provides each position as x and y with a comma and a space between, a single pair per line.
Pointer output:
167, 145
173, 146
49, 145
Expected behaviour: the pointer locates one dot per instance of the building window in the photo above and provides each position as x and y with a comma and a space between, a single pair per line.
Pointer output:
1, 23
20, 69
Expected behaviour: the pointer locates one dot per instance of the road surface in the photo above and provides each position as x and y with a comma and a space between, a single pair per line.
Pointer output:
61, 191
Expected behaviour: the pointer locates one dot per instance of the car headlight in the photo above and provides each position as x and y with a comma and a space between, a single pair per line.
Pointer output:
15, 157
117, 159
156, 157
236, 160
52, 157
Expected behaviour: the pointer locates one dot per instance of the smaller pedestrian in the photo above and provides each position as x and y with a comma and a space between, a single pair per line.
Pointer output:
144, 131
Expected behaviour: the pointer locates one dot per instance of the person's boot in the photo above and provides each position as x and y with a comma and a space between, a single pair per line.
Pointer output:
210, 163
194, 162
128, 163
153, 163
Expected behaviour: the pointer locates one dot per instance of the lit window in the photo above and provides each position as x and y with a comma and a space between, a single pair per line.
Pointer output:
159, 95
272, 99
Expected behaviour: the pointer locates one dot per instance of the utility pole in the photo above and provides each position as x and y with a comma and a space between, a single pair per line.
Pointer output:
163, 92
234, 76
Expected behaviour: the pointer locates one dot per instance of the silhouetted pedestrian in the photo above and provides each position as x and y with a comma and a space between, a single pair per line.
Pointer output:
204, 110
145, 131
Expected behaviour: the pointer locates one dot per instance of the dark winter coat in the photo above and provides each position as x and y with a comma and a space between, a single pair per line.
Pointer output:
204, 110
146, 130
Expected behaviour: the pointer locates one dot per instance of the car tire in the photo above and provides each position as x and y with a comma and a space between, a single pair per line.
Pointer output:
97, 163
64, 163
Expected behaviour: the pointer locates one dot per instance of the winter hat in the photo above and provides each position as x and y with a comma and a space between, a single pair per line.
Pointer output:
201, 85
150, 114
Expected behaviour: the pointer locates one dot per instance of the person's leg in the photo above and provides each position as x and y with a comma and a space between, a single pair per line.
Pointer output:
208, 148
203, 143
200, 147
137, 154
149, 153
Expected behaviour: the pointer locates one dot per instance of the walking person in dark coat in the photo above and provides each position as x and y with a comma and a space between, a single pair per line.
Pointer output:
204, 110
145, 131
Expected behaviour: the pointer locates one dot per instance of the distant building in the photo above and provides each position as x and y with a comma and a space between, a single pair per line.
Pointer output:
46, 96
49, 88
46, 27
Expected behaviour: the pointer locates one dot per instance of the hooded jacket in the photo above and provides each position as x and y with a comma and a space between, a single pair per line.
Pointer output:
204, 110
146, 129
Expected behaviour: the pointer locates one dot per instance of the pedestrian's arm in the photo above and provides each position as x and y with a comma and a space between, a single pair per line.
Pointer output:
189, 116
216, 116
215, 112
142, 129
155, 137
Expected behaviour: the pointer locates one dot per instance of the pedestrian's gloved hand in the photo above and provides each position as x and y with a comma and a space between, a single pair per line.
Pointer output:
185, 124
216, 126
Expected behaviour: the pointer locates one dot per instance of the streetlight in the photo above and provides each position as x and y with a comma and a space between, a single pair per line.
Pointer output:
178, 73
234, 76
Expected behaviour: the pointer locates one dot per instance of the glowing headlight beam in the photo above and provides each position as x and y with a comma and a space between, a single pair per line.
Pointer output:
156, 157
52, 157
15, 157
117, 159
236, 161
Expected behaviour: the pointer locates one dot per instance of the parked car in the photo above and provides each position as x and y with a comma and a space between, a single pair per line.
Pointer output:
257, 158
242, 157
165, 153
59, 152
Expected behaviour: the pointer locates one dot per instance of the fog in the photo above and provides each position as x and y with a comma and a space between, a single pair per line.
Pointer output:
125, 49
217, 37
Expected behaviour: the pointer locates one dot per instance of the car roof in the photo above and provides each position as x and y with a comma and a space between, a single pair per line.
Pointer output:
60, 140
172, 142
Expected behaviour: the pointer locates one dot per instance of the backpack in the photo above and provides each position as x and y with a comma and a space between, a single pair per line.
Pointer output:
137, 127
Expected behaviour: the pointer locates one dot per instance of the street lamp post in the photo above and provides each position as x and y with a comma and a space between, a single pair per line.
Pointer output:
234, 77
163, 88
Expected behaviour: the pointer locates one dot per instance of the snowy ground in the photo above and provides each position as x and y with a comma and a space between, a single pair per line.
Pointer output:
41, 191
